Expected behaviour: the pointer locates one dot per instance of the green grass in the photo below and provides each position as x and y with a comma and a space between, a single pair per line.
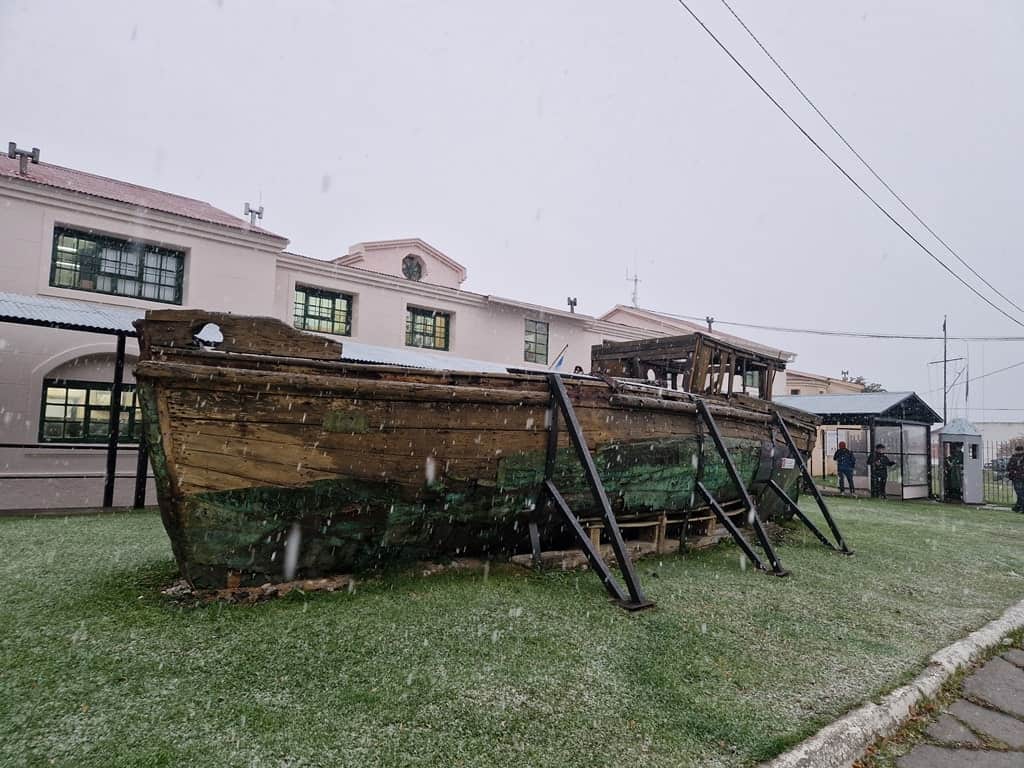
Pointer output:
99, 669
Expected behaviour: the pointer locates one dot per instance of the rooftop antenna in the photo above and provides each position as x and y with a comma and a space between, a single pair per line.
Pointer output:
635, 279
571, 301
253, 214
710, 321
23, 156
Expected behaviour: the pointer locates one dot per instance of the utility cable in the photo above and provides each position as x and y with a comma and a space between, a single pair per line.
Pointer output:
843, 171
846, 334
865, 163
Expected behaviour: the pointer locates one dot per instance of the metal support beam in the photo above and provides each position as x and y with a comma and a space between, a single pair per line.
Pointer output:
115, 424
730, 526
799, 458
593, 555
799, 513
561, 398
748, 502
141, 472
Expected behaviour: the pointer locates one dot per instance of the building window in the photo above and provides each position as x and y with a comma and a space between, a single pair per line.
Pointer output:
88, 262
323, 311
794, 391
536, 346
79, 412
427, 328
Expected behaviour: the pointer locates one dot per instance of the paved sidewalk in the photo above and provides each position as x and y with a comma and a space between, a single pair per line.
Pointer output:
982, 729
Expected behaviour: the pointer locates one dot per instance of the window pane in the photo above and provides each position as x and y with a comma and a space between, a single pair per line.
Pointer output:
323, 311
536, 341
86, 417
115, 266
915, 470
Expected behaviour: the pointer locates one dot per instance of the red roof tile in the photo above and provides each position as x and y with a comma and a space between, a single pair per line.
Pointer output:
124, 192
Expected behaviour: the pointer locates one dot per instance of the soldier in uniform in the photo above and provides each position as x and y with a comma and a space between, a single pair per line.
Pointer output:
1015, 472
878, 466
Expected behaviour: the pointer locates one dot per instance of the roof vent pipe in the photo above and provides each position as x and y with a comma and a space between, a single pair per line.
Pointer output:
23, 155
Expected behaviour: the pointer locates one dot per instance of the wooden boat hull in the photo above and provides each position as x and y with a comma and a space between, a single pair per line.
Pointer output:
355, 466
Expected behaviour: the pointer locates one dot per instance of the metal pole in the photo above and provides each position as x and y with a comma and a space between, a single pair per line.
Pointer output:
115, 424
945, 390
141, 472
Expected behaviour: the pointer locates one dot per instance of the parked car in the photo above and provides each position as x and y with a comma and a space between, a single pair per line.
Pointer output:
998, 466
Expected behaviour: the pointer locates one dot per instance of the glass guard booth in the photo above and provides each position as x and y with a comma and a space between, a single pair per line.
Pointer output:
907, 444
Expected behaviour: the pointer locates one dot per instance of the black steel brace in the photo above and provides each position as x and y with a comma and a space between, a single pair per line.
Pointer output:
748, 502
798, 457
635, 599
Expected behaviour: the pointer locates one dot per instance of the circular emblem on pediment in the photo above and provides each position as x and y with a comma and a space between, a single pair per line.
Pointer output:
412, 267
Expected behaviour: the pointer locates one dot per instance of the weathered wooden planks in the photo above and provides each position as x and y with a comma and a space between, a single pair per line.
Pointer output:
176, 328
372, 462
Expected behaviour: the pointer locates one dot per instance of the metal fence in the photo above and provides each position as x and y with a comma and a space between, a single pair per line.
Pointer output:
997, 486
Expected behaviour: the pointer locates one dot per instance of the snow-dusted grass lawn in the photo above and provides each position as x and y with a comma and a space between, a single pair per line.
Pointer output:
98, 669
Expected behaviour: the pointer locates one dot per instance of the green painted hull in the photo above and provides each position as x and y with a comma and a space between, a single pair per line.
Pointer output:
345, 524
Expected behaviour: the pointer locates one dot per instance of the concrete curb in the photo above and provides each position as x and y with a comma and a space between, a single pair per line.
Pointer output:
838, 745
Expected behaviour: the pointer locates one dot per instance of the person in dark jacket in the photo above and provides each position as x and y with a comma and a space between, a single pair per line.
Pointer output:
878, 466
954, 466
845, 462
1015, 472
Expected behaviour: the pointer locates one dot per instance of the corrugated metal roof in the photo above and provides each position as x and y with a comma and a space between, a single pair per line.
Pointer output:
65, 313
415, 358
125, 192
862, 403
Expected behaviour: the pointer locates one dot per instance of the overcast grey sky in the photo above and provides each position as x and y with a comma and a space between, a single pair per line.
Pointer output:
549, 145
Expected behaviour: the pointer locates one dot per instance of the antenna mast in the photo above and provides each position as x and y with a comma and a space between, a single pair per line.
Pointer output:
254, 213
635, 279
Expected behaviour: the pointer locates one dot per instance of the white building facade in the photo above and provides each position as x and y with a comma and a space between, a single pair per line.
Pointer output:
65, 234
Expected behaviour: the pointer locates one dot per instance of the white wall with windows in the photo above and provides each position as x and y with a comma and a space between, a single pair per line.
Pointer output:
54, 384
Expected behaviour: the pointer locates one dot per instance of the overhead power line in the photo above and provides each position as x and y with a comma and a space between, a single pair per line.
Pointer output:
866, 164
843, 171
979, 378
846, 334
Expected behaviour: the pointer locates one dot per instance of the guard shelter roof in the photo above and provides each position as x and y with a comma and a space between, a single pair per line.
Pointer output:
861, 407
961, 428
68, 314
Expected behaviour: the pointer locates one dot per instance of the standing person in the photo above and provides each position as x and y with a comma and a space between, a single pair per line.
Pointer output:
878, 465
1015, 471
845, 462
954, 467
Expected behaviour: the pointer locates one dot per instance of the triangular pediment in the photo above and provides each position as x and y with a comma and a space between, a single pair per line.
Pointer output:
411, 259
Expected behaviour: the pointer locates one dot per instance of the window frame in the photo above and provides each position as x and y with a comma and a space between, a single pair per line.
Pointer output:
123, 246
323, 293
128, 435
527, 352
413, 312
